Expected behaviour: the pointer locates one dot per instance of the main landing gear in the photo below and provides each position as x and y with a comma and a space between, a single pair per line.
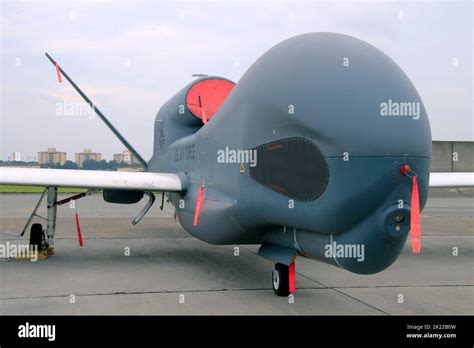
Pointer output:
283, 279
43, 239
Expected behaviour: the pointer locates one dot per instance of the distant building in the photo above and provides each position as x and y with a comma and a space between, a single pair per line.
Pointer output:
16, 156
51, 156
126, 157
87, 155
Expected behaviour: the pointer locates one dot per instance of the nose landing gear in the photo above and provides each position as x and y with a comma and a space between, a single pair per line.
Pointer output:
283, 279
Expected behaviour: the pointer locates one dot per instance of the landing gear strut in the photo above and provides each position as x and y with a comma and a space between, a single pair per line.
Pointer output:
43, 239
37, 234
52, 211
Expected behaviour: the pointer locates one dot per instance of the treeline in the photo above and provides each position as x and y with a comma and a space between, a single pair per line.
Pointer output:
88, 164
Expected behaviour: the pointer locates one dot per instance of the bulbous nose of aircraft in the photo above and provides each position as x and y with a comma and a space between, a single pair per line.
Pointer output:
365, 118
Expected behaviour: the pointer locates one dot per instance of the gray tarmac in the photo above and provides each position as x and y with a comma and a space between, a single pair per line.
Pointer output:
170, 272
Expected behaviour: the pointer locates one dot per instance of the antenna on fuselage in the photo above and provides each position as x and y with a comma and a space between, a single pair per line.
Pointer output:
97, 111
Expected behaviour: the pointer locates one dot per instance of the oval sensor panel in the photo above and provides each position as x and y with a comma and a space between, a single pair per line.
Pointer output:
205, 97
294, 167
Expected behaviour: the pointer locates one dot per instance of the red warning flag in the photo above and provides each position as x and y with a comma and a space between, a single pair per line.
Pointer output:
79, 235
415, 218
292, 277
60, 80
197, 210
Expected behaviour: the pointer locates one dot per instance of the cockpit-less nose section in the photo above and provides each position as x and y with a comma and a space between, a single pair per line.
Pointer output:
321, 150
326, 179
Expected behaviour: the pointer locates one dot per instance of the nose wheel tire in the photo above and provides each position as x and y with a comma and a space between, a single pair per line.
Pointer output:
280, 280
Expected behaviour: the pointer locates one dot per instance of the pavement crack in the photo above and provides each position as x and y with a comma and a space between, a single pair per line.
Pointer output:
147, 292
337, 289
360, 301
402, 286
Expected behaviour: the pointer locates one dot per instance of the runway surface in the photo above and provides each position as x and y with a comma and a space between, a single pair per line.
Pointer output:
170, 272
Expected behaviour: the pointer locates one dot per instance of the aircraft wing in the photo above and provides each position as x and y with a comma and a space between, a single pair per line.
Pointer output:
94, 179
148, 181
451, 179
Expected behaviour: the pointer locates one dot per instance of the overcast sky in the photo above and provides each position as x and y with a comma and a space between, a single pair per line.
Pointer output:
130, 57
